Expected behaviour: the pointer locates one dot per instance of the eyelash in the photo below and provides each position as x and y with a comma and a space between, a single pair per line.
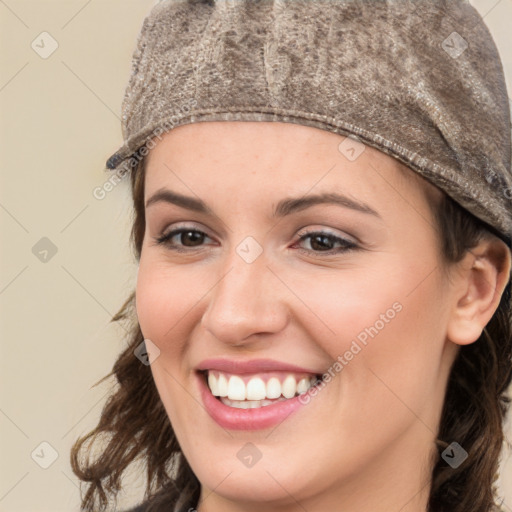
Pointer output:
347, 244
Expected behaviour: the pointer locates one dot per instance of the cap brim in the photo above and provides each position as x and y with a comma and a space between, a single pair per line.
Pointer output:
116, 158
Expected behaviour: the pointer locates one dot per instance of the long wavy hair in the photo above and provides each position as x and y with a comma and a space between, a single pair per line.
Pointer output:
134, 426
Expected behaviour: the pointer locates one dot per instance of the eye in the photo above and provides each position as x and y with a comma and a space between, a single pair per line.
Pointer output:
322, 241
189, 237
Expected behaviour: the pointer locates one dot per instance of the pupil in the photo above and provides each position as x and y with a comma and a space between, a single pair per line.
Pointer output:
324, 240
192, 234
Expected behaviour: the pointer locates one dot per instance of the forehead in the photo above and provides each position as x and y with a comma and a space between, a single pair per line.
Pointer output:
275, 152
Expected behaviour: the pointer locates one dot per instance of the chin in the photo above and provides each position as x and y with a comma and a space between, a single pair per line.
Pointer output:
251, 485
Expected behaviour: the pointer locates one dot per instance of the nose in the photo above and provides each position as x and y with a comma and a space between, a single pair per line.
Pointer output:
247, 300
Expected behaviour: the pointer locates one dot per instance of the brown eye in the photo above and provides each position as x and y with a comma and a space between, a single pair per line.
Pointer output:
186, 237
322, 242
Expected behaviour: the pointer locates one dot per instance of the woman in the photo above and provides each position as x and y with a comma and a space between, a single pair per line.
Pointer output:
320, 321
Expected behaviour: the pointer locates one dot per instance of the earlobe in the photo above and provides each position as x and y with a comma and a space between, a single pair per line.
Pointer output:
478, 287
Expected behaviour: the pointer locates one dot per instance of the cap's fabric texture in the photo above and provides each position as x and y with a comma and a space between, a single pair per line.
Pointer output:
420, 80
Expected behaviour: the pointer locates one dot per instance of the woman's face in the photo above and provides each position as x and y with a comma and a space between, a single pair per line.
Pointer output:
307, 257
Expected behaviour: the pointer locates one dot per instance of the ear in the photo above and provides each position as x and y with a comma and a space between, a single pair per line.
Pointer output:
481, 278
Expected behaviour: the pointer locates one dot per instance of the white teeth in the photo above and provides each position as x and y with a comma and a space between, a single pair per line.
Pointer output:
256, 389
273, 388
222, 384
236, 388
249, 404
303, 385
289, 386
212, 382
255, 393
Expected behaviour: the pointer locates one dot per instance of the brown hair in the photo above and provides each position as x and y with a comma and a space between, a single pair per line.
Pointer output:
137, 427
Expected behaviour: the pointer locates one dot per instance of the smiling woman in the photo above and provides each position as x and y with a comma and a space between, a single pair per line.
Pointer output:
320, 322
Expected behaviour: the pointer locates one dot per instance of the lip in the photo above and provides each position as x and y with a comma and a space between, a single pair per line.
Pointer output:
232, 418
251, 366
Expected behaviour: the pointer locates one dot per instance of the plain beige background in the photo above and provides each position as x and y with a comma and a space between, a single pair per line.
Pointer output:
59, 123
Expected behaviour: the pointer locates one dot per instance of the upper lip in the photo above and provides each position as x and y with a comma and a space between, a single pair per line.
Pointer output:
251, 366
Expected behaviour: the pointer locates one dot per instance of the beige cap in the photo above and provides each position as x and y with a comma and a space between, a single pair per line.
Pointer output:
419, 80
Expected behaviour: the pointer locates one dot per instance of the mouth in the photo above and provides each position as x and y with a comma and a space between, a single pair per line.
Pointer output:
255, 394
254, 391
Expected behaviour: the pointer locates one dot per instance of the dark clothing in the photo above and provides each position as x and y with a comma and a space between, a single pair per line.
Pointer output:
139, 508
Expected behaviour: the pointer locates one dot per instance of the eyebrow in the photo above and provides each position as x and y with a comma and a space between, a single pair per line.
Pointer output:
284, 207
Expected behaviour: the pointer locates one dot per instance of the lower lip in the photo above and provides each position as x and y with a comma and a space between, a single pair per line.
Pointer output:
246, 419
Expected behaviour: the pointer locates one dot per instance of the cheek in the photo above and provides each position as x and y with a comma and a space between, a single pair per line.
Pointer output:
347, 306
383, 329
164, 302
164, 298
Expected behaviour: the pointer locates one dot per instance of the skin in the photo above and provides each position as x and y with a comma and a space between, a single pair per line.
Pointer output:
365, 441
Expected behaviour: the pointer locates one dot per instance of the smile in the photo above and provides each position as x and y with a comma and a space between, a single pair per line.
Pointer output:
253, 394
253, 391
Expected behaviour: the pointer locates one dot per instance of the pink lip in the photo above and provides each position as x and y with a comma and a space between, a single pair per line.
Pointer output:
251, 366
246, 419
